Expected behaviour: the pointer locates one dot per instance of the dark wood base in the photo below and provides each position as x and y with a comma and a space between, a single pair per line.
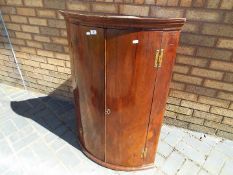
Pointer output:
114, 167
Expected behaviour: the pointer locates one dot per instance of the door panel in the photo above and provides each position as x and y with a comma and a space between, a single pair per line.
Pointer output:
130, 77
89, 65
164, 74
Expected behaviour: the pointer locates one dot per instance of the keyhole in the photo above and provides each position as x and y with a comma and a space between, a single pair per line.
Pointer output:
108, 111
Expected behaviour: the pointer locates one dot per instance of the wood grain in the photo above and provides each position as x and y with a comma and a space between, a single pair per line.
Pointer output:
120, 97
89, 66
123, 22
161, 89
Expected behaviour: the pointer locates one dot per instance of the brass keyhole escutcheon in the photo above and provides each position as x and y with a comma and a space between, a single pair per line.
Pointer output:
108, 111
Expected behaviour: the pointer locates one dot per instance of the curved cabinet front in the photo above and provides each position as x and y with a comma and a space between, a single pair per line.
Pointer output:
121, 80
130, 77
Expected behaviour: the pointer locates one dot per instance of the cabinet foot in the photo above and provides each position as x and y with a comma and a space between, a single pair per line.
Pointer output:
112, 166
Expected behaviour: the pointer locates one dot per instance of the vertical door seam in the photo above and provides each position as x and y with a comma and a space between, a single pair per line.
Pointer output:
155, 81
105, 93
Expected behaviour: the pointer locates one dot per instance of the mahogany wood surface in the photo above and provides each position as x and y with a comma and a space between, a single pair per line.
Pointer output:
123, 22
89, 69
120, 95
161, 89
130, 77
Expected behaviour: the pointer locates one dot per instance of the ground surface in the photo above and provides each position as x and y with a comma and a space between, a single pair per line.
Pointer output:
37, 137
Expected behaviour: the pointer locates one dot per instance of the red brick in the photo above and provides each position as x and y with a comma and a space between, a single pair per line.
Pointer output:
203, 15
185, 3
106, 8
81, 6
183, 95
214, 53
179, 109
207, 73
178, 123
195, 105
207, 116
46, 13
213, 4
186, 50
172, 2
166, 12
18, 19
201, 90
198, 3
139, 1
30, 29
224, 134
228, 77
134, 10
191, 27
218, 30
229, 18
23, 35
33, 3
34, 44
198, 40
226, 4
181, 69
193, 61
213, 101
15, 27
56, 23
190, 119
228, 121
53, 47
37, 21
14, 2
161, 2
49, 31
225, 95
225, 43
219, 85
56, 4
220, 65
177, 85
187, 79
220, 126
26, 11
201, 128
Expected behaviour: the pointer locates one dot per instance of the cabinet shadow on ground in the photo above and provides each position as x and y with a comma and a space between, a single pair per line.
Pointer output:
55, 114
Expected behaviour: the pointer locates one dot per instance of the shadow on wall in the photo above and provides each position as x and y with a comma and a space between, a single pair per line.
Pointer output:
53, 113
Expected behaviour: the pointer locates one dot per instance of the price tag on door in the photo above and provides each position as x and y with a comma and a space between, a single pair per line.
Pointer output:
135, 41
93, 32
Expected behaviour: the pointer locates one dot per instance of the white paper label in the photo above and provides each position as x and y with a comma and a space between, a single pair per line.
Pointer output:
135, 41
93, 32
88, 33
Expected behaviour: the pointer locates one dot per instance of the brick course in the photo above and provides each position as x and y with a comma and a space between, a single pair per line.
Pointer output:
201, 92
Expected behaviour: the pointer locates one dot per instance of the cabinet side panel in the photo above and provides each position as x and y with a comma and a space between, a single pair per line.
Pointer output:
130, 82
72, 38
164, 74
89, 75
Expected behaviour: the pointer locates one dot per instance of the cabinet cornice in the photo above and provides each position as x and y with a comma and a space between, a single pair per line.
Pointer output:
124, 22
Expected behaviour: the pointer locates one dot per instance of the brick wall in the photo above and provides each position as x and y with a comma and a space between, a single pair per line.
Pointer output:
201, 94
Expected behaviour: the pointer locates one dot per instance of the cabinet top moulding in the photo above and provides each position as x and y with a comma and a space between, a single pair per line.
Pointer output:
123, 22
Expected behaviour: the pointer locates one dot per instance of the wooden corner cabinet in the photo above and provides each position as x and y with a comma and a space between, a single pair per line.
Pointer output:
121, 69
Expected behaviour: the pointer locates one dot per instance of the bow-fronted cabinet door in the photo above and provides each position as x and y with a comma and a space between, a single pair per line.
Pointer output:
130, 78
161, 88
